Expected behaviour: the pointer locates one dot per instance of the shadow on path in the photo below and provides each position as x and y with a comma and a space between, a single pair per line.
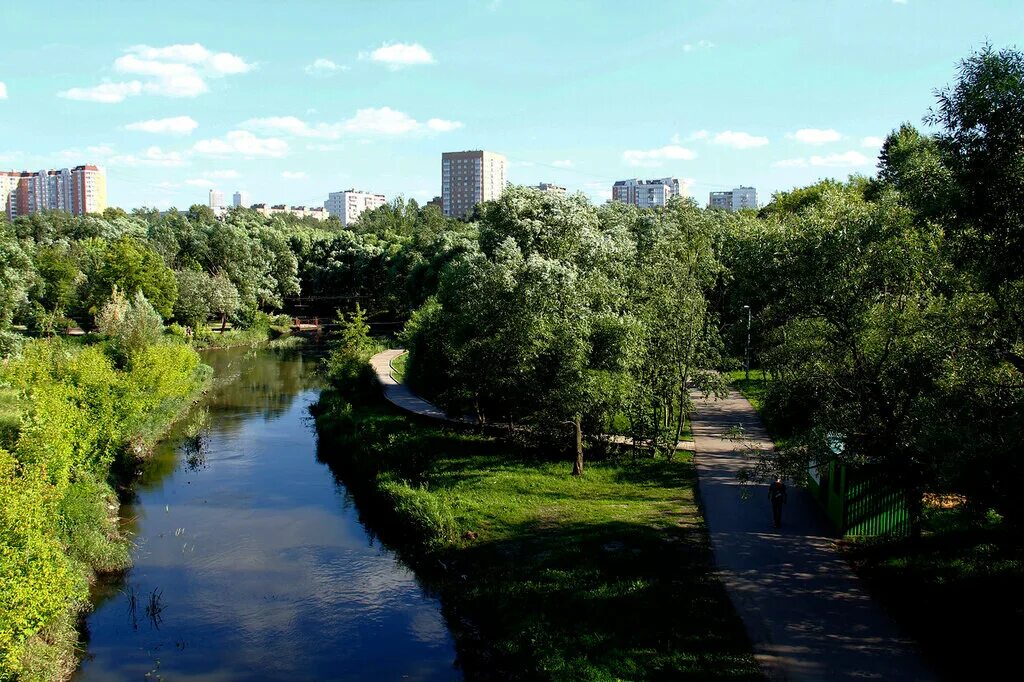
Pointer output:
806, 612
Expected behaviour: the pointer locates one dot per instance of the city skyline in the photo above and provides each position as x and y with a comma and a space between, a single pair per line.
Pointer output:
172, 108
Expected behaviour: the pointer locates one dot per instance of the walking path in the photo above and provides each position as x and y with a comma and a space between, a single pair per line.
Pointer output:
806, 612
399, 395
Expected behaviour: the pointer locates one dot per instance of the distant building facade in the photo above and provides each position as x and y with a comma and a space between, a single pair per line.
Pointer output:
646, 193
469, 178
78, 190
548, 187
240, 199
734, 200
216, 200
317, 212
348, 205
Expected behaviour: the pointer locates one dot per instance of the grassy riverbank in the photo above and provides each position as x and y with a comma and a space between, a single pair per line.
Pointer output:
543, 575
71, 419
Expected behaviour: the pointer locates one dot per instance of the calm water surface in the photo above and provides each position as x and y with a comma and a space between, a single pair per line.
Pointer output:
250, 560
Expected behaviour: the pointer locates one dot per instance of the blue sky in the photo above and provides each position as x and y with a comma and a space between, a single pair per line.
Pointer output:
291, 100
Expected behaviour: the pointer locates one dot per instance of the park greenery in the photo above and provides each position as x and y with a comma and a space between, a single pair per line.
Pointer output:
887, 315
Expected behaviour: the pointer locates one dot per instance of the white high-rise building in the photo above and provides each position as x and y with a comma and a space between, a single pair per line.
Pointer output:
469, 178
646, 193
348, 205
734, 200
240, 199
216, 199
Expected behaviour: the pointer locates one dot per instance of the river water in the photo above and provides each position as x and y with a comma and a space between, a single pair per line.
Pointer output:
250, 561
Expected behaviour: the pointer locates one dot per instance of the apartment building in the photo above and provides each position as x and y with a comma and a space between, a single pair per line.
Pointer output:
317, 212
78, 190
548, 187
469, 178
216, 199
734, 200
349, 204
646, 193
240, 199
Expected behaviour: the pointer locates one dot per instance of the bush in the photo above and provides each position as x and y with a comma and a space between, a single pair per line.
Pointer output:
39, 581
10, 343
55, 523
130, 325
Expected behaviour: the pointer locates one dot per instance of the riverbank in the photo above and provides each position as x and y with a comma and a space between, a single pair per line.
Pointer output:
75, 425
543, 575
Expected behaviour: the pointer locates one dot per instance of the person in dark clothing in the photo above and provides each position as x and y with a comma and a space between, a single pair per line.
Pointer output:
777, 496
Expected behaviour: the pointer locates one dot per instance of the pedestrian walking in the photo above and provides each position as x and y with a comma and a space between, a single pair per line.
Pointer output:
777, 496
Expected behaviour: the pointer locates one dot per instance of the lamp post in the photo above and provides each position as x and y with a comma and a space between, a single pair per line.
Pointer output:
746, 354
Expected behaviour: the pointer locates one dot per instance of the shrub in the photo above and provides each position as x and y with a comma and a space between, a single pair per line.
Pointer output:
130, 325
39, 581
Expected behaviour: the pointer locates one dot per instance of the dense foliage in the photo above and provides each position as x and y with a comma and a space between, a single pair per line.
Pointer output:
79, 416
56, 269
564, 317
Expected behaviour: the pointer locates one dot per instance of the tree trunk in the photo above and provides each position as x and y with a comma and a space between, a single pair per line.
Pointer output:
577, 467
223, 322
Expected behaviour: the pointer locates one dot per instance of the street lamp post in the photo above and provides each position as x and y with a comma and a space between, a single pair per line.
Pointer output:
746, 354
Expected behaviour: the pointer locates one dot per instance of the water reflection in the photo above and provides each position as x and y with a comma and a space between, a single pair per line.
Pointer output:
248, 564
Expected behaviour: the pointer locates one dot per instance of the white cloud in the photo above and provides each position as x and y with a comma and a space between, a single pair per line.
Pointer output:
171, 71
243, 143
654, 157
738, 140
177, 125
872, 142
370, 121
323, 67
899, 2
223, 174
291, 125
843, 160
442, 126
815, 136
382, 121
699, 45
151, 156
3, 90
562, 163
201, 182
106, 93
294, 175
398, 55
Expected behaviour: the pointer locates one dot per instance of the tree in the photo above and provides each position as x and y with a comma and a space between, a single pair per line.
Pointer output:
132, 267
16, 276
194, 304
131, 325
223, 298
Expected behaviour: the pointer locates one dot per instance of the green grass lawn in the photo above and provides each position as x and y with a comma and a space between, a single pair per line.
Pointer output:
959, 591
620, 426
752, 389
547, 576
398, 367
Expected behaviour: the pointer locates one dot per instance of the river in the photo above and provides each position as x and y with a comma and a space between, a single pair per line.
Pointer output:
250, 561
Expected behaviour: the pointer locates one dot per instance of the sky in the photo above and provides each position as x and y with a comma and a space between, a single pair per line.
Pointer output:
292, 100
